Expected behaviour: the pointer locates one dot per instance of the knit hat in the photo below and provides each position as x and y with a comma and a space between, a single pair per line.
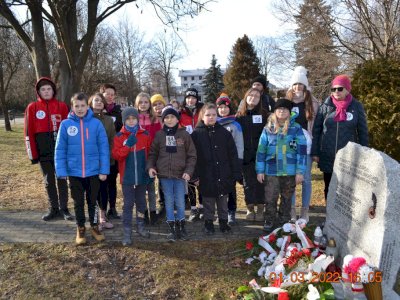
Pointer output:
46, 81
342, 80
157, 97
169, 110
299, 76
192, 92
223, 99
129, 111
285, 103
261, 79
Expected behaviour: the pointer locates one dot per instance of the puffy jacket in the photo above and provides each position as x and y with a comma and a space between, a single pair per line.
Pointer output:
330, 136
108, 124
282, 155
132, 160
189, 118
217, 164
82, 148
147, 124
172, 165
42, 122
230, 124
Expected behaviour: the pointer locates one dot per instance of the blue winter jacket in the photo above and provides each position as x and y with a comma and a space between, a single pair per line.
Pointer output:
82, 148
282, 155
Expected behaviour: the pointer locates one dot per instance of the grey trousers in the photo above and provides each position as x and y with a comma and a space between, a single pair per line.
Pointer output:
209, 207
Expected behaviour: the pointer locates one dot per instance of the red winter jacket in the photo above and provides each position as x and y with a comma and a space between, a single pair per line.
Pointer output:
189, 117
42, 121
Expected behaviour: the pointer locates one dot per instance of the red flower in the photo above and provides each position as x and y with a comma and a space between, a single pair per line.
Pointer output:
272, 238
283, 296
249, 246
306, 252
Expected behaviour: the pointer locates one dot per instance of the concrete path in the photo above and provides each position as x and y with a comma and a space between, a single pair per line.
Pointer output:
27, 226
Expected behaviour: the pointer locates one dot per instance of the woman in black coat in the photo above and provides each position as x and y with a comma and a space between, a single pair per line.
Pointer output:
217, 166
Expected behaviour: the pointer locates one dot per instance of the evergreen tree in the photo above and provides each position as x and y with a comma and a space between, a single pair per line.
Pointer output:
213, 81
315, 48
243, 66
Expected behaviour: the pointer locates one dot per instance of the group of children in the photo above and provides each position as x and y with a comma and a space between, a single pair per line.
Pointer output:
203, 147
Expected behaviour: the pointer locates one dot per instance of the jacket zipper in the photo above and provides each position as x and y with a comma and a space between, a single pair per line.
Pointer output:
134, 157
83, 147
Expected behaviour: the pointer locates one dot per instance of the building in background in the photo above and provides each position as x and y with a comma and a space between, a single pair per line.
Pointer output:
191, 78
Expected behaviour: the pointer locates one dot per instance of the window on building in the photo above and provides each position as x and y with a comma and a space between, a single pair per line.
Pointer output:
185, 85
200, 77
192, 77
185, 78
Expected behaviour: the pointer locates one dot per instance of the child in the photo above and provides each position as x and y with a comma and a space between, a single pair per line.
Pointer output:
114, 111
173, 158
217, 166
130, 149
149, 122
252, 118
228, 121
281, 161
82, 154
98, 103
42, 121
175, 103
189, 118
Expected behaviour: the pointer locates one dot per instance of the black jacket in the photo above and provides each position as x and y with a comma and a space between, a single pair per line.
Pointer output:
217, 164
116, 115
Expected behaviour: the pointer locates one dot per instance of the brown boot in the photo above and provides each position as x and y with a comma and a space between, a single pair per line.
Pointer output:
94, 230
80, 235
250, 215
260, 213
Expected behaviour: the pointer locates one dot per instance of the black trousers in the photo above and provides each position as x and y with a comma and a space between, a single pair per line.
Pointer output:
79, 186
57, 189
253, 190
327, 181
232, 200
108, 189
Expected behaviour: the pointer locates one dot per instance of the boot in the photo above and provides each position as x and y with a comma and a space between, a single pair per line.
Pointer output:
66, 215
51, 214
104, 223
112, 213
260, 213
141, 230
209, 227
224, 227
153, 218
304, 214
80, 235
181, 233
293, 214
268, 225
98, 236
250, 215
231, 217
194, 215
127, 240
146, 217
171, 237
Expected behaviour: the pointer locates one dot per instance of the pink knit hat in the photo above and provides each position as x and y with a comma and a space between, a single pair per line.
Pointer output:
342, 80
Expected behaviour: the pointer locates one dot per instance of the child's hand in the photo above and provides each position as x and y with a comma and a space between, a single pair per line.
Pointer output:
102, 177
260, 178
315, 158
131, 141
152, 173
299, 178
186, 176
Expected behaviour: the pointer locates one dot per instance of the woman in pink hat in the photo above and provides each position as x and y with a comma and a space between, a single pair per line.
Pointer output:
340, 119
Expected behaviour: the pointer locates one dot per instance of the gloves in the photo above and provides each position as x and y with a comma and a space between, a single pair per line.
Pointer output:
34, 161
131, 141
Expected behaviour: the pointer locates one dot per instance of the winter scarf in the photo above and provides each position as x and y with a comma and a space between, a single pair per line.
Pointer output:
133, 129
341, 107
170, 142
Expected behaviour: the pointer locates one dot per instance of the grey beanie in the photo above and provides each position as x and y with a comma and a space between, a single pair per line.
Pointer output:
129, 111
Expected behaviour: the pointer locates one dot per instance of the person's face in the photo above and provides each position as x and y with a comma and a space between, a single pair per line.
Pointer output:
298, 87
158, 107
176, 106
253, 98
210, 117
131, 121
143, 104
258, 86
97, 104
339, 92
170, 120
80, 108
282, 114
109, 94
223, 110
191, 101
46, 92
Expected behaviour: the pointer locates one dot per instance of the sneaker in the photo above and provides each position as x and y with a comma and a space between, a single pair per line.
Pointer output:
231, 217
66, 215
194, 215
51, 214
80, 235
113, 214
94, 230
201, 213
268, 226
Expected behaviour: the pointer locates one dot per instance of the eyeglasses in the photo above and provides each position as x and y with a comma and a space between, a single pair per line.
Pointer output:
339, 89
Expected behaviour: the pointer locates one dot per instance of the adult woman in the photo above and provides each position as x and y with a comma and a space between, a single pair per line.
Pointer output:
306, 106
340, 119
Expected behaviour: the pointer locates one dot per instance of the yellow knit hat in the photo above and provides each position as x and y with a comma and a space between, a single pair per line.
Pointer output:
157, 97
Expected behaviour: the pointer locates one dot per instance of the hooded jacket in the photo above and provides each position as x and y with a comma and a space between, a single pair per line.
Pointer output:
82, 148
189, 117
42, 122
230, 124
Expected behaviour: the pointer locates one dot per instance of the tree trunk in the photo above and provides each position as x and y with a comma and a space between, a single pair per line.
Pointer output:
7, 123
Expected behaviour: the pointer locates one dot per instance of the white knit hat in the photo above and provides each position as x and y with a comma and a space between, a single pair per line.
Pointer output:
299, 76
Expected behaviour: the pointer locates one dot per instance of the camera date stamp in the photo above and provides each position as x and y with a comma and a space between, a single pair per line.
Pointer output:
328, 277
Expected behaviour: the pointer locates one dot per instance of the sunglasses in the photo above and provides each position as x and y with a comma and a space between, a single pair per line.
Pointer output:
339, 89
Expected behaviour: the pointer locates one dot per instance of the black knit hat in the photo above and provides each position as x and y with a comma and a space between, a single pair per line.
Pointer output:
169, 110
192, 92
261, 79
129, 111
46, 81
285, 103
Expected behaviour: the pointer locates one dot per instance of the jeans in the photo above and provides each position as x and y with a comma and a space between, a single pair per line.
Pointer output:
57, 189
306, 188
133, 194
174, 195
